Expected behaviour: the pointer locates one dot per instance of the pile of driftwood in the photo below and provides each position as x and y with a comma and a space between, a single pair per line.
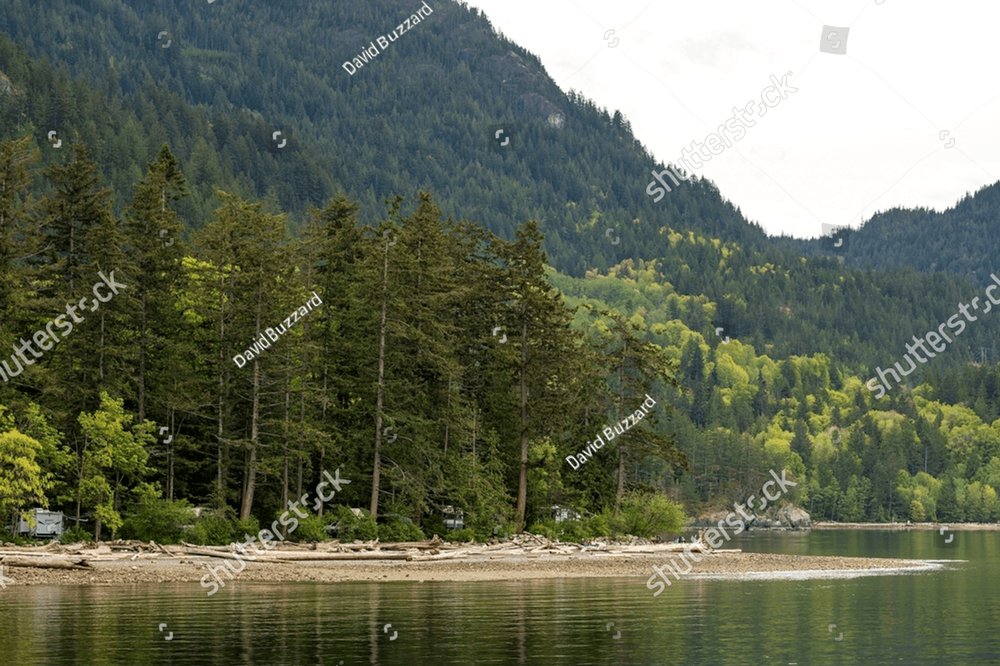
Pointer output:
522, 545
80, 556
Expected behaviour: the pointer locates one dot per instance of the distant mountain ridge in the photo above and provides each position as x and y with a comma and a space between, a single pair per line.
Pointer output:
963, 240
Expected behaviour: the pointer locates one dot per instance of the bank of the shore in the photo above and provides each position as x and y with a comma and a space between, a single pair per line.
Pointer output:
477, 568
954, 527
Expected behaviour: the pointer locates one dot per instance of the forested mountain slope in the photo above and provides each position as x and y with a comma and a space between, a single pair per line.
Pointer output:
138, 96
423, 114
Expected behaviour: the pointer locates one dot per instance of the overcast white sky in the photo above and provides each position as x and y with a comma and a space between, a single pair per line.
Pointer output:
865, 131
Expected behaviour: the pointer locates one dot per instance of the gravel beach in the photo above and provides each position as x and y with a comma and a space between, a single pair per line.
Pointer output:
476, 567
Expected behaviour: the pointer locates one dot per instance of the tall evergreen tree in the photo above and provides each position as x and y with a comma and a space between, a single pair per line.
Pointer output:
154, 236
542, 342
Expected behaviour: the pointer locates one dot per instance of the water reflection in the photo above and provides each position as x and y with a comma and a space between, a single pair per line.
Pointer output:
945, 617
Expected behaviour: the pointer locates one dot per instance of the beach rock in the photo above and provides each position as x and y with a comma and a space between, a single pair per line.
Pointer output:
793, 517
788, 517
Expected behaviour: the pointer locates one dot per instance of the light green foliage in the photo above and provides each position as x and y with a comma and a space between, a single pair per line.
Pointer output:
776, 441
920, 492
544, 473
460, 536
22, 482
214, 528
574, 531
980, 503
648, 515
310, 529
53, 456
114, 459
152, 518
76, 534
399, 530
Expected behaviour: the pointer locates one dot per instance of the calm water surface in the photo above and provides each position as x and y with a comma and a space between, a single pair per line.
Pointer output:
944, 617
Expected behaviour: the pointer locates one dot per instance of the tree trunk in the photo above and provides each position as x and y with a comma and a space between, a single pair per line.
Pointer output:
324, 398
302, 420
170, 459
447, 421
79, 492
284, 476
141, 398
46, 562
380, 391
220, 411
251, 483
620, 489
522, 482
100, 355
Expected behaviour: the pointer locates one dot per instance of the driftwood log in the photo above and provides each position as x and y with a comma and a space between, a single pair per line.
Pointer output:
45, 562
284, 556
279, 556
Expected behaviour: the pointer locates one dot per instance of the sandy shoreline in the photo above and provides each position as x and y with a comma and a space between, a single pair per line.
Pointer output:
478, 567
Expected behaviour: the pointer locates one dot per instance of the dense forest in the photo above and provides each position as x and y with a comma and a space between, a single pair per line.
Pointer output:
766, 295
926, 451
219, 92
389, 293
439, 368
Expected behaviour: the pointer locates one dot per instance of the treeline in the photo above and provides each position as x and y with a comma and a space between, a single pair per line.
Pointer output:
440, 368
225, 148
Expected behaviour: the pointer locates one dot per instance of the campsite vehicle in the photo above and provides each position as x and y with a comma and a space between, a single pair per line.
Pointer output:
42, 524
561, 513
454, 519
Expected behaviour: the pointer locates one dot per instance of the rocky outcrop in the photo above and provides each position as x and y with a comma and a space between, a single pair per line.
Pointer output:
794, 517
6, 87
788, 517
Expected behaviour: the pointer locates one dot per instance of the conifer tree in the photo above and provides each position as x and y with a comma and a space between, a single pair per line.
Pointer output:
542, 342
252, 275
154, 236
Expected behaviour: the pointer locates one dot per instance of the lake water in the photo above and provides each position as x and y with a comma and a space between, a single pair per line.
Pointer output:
943, 617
